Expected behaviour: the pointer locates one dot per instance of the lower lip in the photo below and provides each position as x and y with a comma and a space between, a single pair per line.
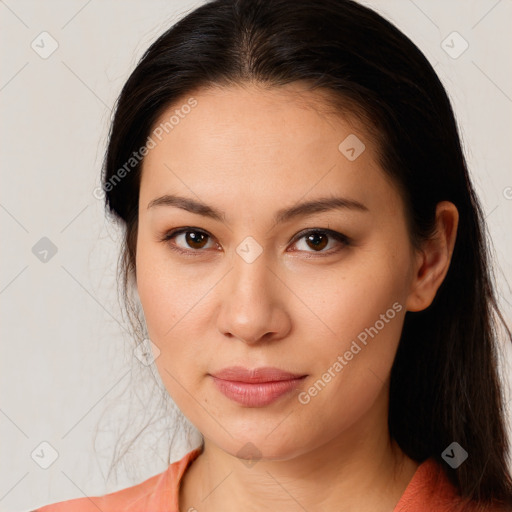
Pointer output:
258, 394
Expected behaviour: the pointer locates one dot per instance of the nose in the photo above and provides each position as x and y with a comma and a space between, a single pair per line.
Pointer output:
252, 303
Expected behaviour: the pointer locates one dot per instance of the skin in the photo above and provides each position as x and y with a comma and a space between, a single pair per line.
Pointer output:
249, 152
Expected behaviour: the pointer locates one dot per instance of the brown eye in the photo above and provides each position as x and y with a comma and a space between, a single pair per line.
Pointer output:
318, 239
190, 240
187, 240
195, 239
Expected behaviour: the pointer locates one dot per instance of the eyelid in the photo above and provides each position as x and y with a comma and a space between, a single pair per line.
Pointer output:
334, 234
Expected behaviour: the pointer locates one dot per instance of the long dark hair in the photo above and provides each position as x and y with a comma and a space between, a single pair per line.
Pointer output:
444, 380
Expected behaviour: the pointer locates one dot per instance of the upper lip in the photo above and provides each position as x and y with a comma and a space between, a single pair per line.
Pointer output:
255, 375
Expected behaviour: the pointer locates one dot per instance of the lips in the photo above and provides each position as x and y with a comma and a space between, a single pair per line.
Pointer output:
256, 387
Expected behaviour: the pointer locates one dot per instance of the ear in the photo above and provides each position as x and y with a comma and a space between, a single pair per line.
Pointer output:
433, 260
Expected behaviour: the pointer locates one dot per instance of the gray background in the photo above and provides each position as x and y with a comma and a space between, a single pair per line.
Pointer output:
66, 354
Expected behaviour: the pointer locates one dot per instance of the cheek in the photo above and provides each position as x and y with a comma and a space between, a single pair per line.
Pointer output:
155, 296
353, 296
168, 299
168, 292
175, 300
363, 310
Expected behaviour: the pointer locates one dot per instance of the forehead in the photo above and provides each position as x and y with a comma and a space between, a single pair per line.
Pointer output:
273, 142
268, 115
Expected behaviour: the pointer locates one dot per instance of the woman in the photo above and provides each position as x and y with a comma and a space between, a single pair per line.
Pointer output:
310, 258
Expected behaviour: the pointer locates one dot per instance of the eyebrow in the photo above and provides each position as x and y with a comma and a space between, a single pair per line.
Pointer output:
320, 204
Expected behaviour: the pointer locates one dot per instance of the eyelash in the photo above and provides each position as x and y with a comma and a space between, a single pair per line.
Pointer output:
343, 239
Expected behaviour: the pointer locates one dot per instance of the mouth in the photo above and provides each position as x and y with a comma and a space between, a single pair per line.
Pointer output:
257, 387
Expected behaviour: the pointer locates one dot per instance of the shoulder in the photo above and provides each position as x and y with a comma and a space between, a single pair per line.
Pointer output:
430, 490
158, 494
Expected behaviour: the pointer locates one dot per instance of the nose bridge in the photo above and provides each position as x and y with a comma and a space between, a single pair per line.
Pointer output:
250, 307
251, 275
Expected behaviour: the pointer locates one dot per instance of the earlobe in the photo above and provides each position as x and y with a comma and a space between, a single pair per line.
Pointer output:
433, 260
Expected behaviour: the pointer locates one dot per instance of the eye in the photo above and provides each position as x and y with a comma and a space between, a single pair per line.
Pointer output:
191, 240
188, 240
318, 239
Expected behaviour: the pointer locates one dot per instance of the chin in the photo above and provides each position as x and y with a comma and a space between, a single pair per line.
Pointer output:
260, 447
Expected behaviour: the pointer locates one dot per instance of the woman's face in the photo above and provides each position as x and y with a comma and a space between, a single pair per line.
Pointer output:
247, 284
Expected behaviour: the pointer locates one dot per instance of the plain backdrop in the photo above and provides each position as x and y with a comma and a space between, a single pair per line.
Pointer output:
66, 354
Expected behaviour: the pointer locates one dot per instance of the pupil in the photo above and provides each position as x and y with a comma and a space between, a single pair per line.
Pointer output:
194, 238
318, 244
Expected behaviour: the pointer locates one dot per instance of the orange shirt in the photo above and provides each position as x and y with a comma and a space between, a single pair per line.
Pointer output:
428, 491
